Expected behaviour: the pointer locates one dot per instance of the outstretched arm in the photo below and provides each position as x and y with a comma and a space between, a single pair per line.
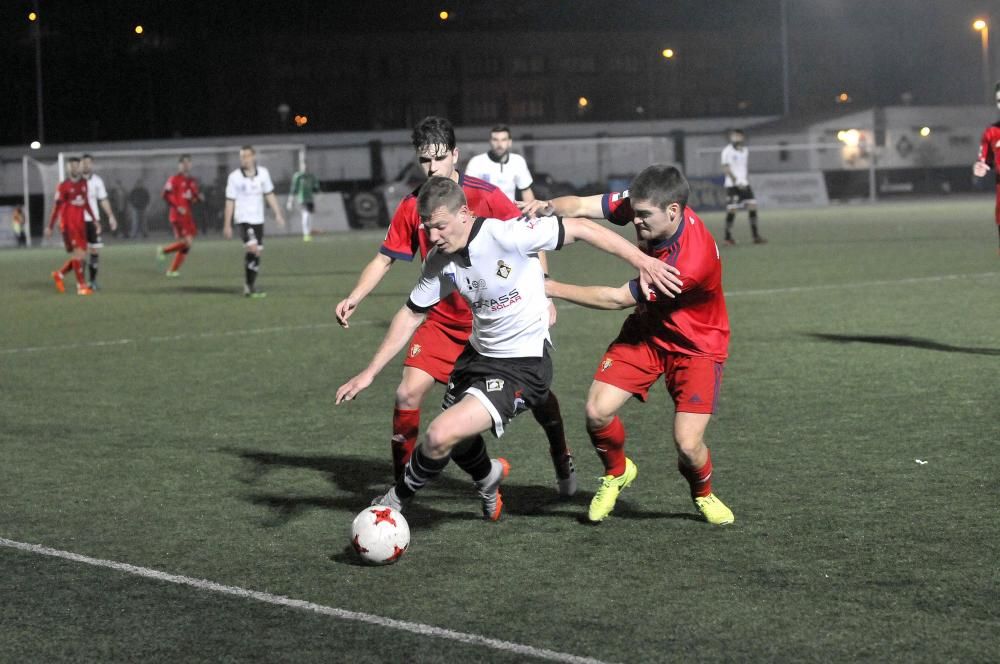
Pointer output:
404, 324
594, 297
370, 277
653, 273
566, 206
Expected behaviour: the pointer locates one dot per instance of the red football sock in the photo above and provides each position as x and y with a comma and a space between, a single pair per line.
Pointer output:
67, 266
700, 479
176, 246
178, 259
78, 269
405, 427
610, 445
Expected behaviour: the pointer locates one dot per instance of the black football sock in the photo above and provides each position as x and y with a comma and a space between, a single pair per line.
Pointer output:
471, 456
729, 224
753, 223
420, 470
549, 416
92, 267
251, 263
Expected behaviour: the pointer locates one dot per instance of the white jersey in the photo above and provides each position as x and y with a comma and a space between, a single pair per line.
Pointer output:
499, 275
736, 159
248, 192
508, 175
96, 191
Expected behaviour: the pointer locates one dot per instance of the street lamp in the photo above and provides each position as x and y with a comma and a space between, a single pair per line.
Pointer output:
984, 32
668, 53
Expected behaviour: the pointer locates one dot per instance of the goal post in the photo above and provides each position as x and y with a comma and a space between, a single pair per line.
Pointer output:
135, 178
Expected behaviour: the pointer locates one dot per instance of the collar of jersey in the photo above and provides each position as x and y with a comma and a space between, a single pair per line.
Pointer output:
673, 239
477, 225
243, 171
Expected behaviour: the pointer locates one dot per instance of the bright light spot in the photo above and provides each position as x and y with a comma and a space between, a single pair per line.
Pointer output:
925, 131
582, 102
979, 24
850, 137
35, 145
32, 16
843, 98
301, 120
139, 29
444, 16
667, 53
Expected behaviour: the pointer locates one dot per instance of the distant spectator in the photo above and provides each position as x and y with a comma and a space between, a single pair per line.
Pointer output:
501, 167
138, 200
19, 227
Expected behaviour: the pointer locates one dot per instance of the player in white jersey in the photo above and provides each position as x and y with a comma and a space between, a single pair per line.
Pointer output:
246, 190
506, 367
501, 167
735, 158
97, 194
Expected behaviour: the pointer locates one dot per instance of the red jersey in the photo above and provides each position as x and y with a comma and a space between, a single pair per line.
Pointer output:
180, 191
694, 323
71, 202
406, 237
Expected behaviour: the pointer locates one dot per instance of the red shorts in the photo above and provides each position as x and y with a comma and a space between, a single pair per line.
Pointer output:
692, 382
74, 236
184, 227
434, 349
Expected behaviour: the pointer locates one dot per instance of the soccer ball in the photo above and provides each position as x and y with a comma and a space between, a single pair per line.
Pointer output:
380, 535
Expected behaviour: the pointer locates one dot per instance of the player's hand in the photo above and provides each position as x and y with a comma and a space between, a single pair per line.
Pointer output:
657, 276
181, 209
281, 221
980, 169
536, 208
553, 314
349, 390
97, 225
345, 308
227, 231
113, 223
48, 231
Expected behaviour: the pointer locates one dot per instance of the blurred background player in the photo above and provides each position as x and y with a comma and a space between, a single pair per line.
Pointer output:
97, 194
501, 167
506, 367
304, 186
18, 226
735, 158
989, 157
180, 192
685, 340
439, 341
138, 201
70, 205
246, 190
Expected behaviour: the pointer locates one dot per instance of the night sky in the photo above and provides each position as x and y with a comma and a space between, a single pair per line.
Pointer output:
104, 82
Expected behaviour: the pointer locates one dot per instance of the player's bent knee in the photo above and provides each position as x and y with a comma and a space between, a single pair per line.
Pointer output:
439, 440
409, 397
597, 416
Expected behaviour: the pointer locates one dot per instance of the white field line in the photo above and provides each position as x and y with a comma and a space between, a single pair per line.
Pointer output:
319, 326
279, 600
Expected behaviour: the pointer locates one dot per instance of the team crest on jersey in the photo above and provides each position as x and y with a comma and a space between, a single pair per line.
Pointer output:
415, 350
503, 270
494, 384
606, 364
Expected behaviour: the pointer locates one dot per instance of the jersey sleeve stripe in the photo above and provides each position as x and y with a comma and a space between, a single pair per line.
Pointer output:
416, 308
605, 206
562, 234
398, 255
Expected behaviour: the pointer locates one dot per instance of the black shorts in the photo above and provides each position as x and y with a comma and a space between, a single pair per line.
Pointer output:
506, 386
252, 234
309, 206
737, 197
94, 239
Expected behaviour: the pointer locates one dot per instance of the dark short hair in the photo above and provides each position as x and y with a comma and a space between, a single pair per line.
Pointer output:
661, 185
737, 130
501, 128
86, 155
248, 147
186, 156
72, 159
433, 130
438, 191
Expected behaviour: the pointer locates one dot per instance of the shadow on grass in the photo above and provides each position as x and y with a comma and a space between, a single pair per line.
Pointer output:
210, 290
912, 342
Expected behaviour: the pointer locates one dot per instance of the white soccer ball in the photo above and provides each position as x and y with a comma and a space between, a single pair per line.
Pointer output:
380, 535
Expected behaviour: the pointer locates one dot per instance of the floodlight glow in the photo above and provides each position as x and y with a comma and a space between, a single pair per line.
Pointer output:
444, 16
925, 131
849, 137
667, 53
582, 102
301, 120
979, 24
139, 29
35, 145
32, 16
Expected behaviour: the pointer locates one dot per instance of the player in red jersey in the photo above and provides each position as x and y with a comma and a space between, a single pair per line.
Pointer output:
442, 337
685, 340
70, 205
180, 192
989, 157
